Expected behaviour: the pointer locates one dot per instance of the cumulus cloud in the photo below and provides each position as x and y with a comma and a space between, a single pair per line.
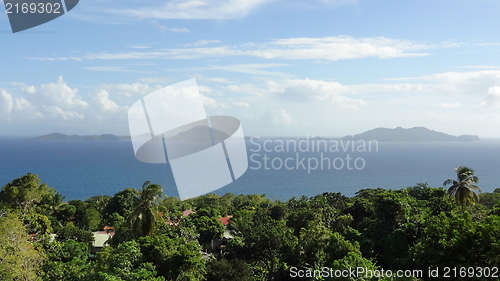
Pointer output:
211, 103
277, 117
103, 107
305, 90
57, 102
17, 109
101, 99
55, 112
56, 94
492, 98
6, 103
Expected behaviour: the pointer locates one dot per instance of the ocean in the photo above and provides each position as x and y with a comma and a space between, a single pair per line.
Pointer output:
81, 169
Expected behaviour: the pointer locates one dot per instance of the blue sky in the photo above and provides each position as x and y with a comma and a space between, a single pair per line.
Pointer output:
319, 67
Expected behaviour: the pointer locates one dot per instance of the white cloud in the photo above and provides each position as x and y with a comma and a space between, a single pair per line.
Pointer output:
472, 83
17, 109
451, 105
140, 47
480, 67
241, 104
306, 90
56, 94
200, 77
55, 112
107, 68
203, 42
219, 80
6, 103
155, 80
101, 99
248, 68
163, 28
277, 117
204, 89
193, 9
325, 48
492, 98
103, 107
136, 89
339, 2
209, 102
387, 87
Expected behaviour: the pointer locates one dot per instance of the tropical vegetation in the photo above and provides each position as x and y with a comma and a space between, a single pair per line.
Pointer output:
43, 237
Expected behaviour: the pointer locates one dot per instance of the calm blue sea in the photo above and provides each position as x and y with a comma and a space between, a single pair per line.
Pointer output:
81, 169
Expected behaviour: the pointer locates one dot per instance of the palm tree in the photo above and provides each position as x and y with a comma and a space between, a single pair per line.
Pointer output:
464, 189
146, 214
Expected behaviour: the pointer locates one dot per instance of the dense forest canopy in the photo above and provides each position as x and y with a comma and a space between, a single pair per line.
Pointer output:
245, 237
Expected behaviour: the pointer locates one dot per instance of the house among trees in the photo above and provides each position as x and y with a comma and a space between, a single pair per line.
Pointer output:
101, 240
218, 244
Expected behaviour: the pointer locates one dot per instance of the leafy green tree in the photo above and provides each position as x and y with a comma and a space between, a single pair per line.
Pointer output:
463, 189
269, 242
124, 263
209, 229
115, 220
122, 202
98, 202
67, 212
27, 194
489, 200
78, 218
19, 259
146, 215
312, 244
72, 232
228, 270
66, 261
342, 254
174, 258
92, 219
460, 241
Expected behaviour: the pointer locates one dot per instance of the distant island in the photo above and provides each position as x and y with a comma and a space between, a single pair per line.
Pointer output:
416, 134
59, 136
399, 134
199, 133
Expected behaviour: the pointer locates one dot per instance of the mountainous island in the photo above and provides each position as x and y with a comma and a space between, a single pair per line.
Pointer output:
199, 133
59, 136
415, 134
399, 134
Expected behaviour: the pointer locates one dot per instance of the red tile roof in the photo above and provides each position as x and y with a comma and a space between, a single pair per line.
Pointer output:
225, 220
187, 213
